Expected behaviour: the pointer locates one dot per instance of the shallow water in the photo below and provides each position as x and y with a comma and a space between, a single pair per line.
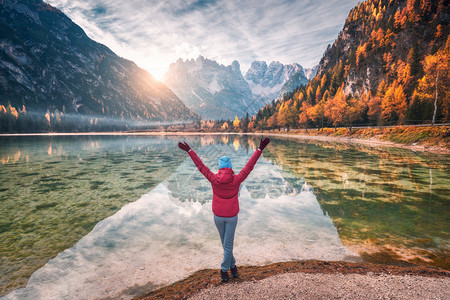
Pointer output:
152, 212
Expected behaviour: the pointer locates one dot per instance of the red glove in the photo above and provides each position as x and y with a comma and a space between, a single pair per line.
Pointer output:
184, 146
263, 143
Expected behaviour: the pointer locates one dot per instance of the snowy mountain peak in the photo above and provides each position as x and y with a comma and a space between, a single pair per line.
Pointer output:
235, 66
311, 72
211, 89
218, 92
270, 82
275, 74
256, 71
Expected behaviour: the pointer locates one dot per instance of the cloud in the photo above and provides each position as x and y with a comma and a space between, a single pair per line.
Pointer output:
156, 33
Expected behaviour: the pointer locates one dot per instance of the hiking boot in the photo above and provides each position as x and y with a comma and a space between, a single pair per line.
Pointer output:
234, 272
224, 276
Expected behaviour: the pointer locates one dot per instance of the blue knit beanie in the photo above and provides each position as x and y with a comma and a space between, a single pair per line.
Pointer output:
224, 162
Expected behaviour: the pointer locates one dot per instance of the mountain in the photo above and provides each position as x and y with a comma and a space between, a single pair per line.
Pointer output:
310, 73
218, 92
388, 65
381, 38
272, 82
47, 62
296, 80
212, 90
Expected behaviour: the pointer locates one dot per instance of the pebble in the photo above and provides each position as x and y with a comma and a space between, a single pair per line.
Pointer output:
332, 286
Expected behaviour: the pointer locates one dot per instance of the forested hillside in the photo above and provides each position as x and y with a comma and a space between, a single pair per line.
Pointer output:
389, 65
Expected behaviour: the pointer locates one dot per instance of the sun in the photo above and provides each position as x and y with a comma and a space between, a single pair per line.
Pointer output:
156, 67
157, 73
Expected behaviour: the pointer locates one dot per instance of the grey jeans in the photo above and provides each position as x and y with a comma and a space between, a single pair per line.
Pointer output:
226, 228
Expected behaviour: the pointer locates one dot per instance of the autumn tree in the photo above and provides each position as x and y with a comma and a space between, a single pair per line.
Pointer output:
300, 97
10, 115
323, 82
374, 106
393, 104
318, 94
303, 117
224, 126
48, 118
272, 121
244, 122
251, 125
3, 123
434, 85
261, 124
207, 124
353, 111
236, 123
336, 78
335, 108
317, 112
293, 115
361, 53
282, 117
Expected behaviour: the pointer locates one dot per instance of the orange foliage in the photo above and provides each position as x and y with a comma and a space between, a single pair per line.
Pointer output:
251, 125
272, 122
393, 105
12, 111
435, 84
323, 81
318, 93
374, 105
47, 116
439, 31
282, 118
361, 53
403, 71
236, 123
377, 36
310, 94
336, 107
303, 116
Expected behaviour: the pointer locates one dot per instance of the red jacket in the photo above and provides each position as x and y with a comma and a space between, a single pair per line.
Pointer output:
225, 184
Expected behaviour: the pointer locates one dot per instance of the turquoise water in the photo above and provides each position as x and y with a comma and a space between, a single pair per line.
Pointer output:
112, 216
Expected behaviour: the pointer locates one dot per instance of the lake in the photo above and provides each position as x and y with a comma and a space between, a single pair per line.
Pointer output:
115, 216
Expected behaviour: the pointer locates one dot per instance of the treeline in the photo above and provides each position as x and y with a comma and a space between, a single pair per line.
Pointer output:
13, 120
404, 43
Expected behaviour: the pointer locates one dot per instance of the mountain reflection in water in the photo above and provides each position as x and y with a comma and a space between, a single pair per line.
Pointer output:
169, 233
303, 200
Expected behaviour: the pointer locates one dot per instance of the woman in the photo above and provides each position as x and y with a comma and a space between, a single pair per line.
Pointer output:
225, 204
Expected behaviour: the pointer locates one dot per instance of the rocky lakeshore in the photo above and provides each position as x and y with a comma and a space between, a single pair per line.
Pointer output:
313, 279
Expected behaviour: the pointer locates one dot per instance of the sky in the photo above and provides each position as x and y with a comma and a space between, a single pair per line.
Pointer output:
155, 33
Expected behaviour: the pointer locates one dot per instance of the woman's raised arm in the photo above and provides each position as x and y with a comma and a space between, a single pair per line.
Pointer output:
252, 161
197, 161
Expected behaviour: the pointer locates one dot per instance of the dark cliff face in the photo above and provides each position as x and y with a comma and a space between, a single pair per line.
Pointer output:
48, 62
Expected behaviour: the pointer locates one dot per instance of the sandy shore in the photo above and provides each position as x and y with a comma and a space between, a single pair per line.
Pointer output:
313, 280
